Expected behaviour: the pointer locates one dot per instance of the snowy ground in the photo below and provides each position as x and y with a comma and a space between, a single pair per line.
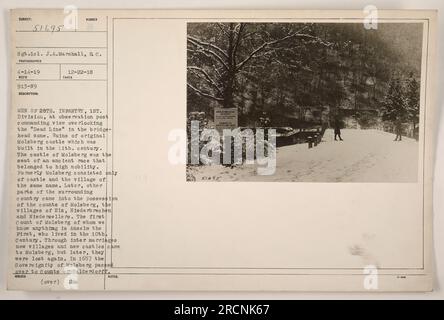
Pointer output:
363, 156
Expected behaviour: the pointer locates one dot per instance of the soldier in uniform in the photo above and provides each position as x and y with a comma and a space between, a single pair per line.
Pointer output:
337, 127
398, 129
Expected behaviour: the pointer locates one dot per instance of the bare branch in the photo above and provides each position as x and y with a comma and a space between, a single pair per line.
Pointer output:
267, 44
240, 27
221, 27
201, 52
206, 77
204, 50
262, 47
204, 94
207, 44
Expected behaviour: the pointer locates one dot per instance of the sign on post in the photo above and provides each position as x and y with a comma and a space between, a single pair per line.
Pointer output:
225, 118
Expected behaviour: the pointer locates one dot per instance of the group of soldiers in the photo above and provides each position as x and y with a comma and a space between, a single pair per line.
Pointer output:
397, 125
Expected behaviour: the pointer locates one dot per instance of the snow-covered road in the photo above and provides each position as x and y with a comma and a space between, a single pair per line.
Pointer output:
363, 156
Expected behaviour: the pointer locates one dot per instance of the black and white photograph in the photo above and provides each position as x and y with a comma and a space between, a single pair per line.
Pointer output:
307, 102
241, 153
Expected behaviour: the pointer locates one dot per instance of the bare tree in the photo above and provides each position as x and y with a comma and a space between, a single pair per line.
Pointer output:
220, 55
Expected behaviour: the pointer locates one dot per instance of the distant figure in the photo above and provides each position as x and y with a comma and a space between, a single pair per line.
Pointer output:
337, 129
398, 129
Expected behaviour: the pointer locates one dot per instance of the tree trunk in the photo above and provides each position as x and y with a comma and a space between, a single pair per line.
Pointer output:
231, 72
